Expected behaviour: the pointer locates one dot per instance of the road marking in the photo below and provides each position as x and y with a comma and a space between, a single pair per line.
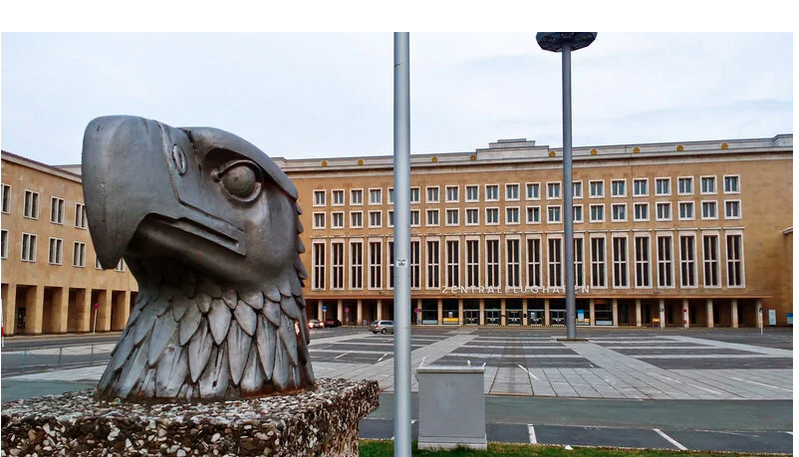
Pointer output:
422, 363
762, 384
686, 383
531, 433
528, 372
381, 358
670, 440
341, 355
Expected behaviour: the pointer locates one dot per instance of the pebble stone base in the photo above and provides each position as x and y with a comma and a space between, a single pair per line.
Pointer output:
319, 422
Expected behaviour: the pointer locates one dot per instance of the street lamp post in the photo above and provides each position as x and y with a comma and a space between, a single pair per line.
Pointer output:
565, 43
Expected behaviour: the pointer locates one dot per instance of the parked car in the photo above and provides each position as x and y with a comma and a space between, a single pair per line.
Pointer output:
382, 327
333, 323
315, 323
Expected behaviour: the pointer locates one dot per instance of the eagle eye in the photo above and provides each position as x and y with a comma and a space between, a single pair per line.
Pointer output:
240, 178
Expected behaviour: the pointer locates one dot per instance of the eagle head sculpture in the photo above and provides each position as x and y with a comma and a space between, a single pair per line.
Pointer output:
208, 225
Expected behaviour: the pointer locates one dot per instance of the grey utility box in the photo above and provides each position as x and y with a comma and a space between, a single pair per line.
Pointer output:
451, 407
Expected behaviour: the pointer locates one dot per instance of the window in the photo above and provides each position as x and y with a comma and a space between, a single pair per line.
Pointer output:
708, 184
337, 265
390, 264
492, 216
687, 261
356, 196
620, 262
732, 209
318, 220
686, 210
511, 192
640, 187
337, 220
512, 215
31, 207
731, 185
579, 279
433, 255
555, 263
472, 193
577, 189
553, 190
664, 262
597, 213
319, 266
79, 254
416, 281
641, 211
453, 263
472, 263
415, 218
642, 262
472, 216
338, 197
319, 198
618, 188
735, 272
97, 265
597, 188
533, 214
492, 192
553, 214
619, 212
80, 215
492, 262
356, 265
709, 210
598, 262
685, 186
390, 195
534, 262
57, 210
391, 218
375, 264
513, 273
710, 256
414, 195
452, 194
28, 247
577, 215
533, 191
432, 217
375, 196
356, 219
662, 186
375, 219
453, 216
4, 244
432, 195
56, 250
663, 210
6, 199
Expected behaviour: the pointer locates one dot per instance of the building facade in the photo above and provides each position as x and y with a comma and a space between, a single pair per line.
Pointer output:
51, 282
669, 234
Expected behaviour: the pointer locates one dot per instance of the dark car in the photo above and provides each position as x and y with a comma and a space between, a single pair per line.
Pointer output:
332, 323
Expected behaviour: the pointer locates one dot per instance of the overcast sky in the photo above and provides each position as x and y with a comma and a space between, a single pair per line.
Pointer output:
327, 95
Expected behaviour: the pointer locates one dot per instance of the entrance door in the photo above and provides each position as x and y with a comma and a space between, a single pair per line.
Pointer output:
557, 317
492, 317
536, 317
514, 318
471, 317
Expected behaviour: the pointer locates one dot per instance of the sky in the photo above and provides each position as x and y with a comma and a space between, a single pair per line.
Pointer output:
322, 95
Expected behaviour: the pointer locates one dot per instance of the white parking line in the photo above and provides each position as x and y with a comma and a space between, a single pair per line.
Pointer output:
670, 440
528, 372
341, 355
531, 432
760, 384
381, 358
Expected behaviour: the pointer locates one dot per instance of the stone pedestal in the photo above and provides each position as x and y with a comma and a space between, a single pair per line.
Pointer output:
320, 422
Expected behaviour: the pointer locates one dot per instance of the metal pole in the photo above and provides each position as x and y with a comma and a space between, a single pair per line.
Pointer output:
568, 208
402, 246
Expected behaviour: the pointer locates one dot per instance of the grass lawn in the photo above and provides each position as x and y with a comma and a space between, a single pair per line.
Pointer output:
374, 448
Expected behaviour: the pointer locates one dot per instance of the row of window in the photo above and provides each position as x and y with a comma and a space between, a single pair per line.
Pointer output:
30, 207
618, 213
618, 188
650, 261
28, 251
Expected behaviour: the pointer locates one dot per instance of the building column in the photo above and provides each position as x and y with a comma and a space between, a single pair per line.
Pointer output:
419, 314
614, 304
546, 313
104, 314
34, 309
710, 322
125, 307
482, 312
440, 306
60, 310
319, 314
662, 311
10, 309
379, 310
591, 311
759, 313
524, 312
503, 320
359, 312
685, 313
84, 305
638, 312
734, 310
340, 310
460, 311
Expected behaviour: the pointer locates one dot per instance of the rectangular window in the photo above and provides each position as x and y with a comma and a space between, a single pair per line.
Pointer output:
337, 220
319, 198
533, 191
597, 213
375, 219
686, 210
391, 218
432, 217
553, 190
472, 216
555, 262
4, 244
337, 265
120, 266
662, 186
56, 250
472, 263
31, 207
452, 194
642, 262
492, 262
533, 214
618, 188
620, 262
432, 195
28, 247
577, 189
735, 272
97, 265
687, 261
708, 184
492, 216
665, 267
375, 196
390, 264
579, 279
79, 254
433, 262
534, 262
472, 193
318, 220
619, 212
710, 256
415, 218
375, 264
512, 215
577, 214
732, 209
685, 185
731, 185
414, 195
80, 215
553, 214
356, 197
513, 273
57, 210
338, 197
453, 217
709, 210
597, 188
512, 192
492, 192
640, 187
453, 263
356, 219
598, 262
416, 277
641, 211
356, 265
390, 195
663, 211
6, 198
319, 266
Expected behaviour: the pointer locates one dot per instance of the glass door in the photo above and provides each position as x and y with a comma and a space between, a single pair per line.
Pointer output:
492, 317
471, 317
557, 317
514, 318
536, 317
